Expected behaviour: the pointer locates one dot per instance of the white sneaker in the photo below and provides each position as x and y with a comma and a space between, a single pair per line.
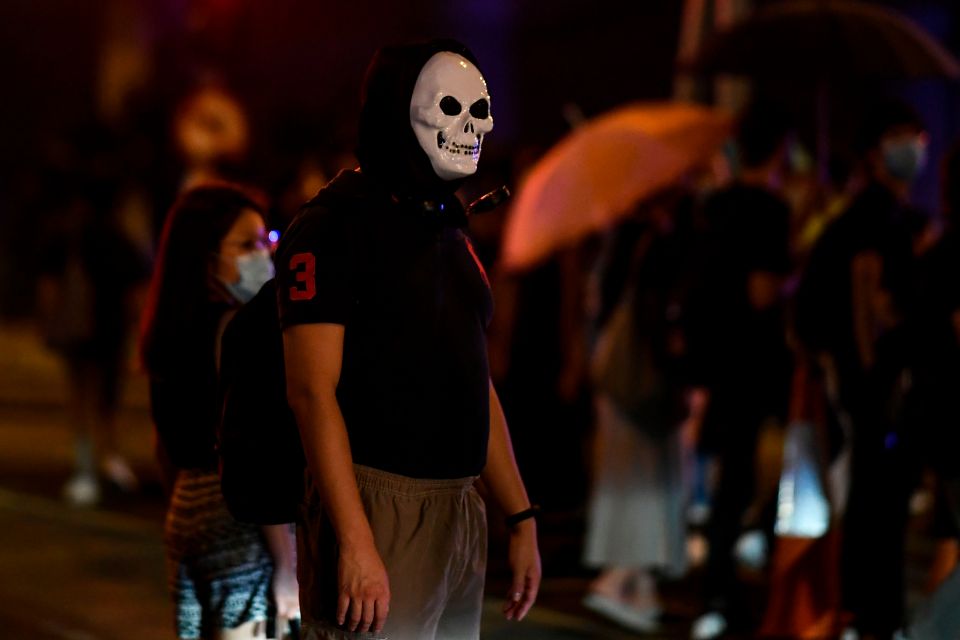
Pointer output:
640, 620
751, 549
709, 625
117, 471
82, 490
698, 514
850, 634
921, 502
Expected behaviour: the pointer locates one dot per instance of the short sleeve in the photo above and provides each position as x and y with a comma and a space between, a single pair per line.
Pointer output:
315, 282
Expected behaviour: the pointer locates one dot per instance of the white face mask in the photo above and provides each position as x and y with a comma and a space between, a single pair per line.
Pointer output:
450, 114
255, 269
905, 159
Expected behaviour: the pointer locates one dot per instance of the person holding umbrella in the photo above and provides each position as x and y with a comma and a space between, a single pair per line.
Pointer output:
935, 375
851, 304
738, 332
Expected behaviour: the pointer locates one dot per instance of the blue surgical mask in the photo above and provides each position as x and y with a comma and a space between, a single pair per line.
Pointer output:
255, 270
905, 159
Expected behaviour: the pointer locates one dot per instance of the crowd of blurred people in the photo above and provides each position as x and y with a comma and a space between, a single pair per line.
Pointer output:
730, 320
723, 311
750, 316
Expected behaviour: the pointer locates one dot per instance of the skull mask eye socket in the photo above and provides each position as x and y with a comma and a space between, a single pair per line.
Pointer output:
451, 106
480, 109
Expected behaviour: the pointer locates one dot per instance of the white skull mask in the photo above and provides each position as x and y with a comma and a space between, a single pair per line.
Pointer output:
450, 114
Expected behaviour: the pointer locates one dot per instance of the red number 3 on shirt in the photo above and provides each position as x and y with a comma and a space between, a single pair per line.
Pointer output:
304, 268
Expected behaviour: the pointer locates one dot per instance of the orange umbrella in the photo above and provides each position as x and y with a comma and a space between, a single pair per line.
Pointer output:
598, 172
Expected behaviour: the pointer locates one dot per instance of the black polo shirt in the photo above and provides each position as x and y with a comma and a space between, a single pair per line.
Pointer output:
415, 304
875, 222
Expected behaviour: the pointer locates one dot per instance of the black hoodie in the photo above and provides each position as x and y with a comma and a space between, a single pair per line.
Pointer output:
406, 285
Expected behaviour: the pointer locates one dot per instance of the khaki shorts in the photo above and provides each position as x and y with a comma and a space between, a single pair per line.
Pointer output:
432, 537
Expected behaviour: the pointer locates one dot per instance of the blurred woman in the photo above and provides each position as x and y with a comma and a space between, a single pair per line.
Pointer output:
212, 258
635, 521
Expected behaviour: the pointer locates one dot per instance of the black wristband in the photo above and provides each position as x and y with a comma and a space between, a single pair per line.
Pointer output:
520, 516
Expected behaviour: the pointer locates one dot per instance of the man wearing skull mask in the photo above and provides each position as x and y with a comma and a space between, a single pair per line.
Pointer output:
384, 308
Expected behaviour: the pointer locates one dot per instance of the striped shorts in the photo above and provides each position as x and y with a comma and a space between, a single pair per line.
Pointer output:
219, 570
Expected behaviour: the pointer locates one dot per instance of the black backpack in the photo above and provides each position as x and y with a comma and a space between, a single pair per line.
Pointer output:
261, 457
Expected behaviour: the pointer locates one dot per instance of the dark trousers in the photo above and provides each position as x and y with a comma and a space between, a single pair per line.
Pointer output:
874, 536
735, 491
882, 476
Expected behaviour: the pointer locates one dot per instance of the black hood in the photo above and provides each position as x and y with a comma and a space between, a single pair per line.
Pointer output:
388, 150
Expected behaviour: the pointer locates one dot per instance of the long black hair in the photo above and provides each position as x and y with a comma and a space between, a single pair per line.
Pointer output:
182, 288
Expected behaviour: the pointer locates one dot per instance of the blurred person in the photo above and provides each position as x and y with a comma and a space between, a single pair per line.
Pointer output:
931, 406
738, 333
538, 361
310, 177
853, 298
309, 173
826, 202
90, 271
223, 574
635, 517
212, 134
384, 308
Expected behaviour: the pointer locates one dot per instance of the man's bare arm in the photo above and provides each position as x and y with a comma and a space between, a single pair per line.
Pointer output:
502, 478
313, 355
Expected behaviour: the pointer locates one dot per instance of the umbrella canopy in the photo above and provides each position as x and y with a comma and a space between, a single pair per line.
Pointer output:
599, 171
825, 39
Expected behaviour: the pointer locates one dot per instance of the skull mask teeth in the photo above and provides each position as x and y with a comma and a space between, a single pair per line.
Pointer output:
450, 114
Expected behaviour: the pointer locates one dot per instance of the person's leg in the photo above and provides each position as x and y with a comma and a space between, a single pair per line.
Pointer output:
108, 376
188, 611
863, 540
860, 545
874, 537
643, 593
460, 619
246, 631
733, 496
83, 488
431, 535
220, 570
612, 582
419, 542
723, 600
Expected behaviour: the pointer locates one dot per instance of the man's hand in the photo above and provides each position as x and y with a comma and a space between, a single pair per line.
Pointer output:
364, 589
525, 564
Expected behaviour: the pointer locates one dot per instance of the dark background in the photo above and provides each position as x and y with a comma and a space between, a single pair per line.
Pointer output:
298, 65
